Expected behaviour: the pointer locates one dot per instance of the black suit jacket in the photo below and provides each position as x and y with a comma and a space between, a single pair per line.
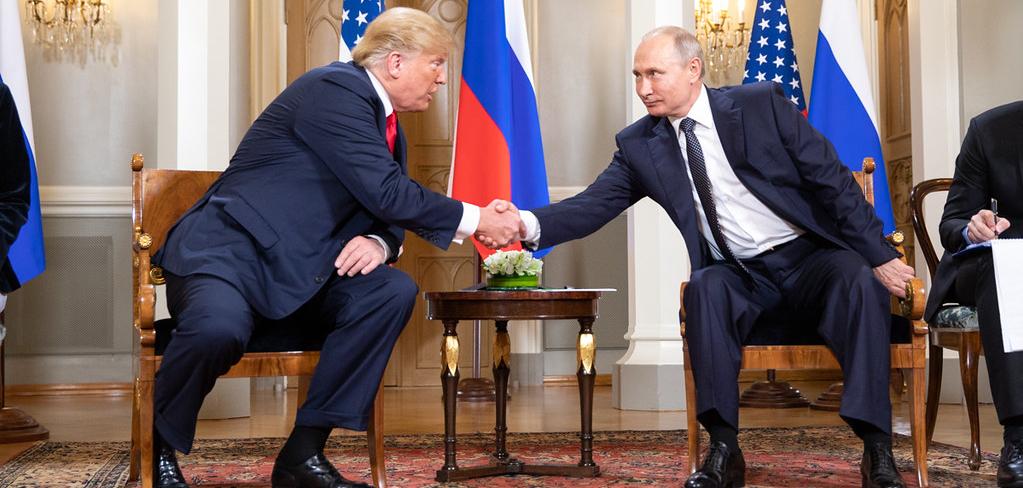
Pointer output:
14, 184
990, 165
311, 173
775, 153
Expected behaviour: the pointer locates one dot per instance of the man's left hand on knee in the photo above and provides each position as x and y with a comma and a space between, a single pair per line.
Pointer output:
360, 255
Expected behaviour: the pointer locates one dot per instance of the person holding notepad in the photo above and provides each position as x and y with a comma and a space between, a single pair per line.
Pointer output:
984, 204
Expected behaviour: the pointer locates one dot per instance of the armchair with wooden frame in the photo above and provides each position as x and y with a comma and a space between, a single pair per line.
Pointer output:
159, 198
954, 327
907, 352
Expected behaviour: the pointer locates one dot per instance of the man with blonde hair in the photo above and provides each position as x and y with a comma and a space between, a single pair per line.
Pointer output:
293, 235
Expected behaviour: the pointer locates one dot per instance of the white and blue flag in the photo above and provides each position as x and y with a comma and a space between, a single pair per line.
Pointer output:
842, 105
26, 254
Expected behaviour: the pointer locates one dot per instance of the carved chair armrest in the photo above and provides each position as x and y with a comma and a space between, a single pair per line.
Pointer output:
146, 278
682, 308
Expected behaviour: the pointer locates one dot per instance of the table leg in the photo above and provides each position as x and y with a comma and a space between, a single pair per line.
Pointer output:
449, 382
502, 367
586, 352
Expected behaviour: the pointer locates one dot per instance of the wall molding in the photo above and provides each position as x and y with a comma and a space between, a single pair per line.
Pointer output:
559, 193
85, 201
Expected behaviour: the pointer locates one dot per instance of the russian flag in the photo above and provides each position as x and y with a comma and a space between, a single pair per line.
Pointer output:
498, 150
841, 105
26, 254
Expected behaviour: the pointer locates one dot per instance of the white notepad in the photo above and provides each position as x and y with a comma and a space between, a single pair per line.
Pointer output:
1008, 262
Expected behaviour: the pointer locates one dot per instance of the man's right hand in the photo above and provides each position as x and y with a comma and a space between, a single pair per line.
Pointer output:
982, 227
500, 225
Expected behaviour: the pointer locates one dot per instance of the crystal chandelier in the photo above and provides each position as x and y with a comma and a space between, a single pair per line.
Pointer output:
70, 29
723, 39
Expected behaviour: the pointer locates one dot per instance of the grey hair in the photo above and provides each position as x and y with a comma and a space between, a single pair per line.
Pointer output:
686, 44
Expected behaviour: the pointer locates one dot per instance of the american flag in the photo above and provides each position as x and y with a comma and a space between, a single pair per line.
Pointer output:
772, 57
355, 16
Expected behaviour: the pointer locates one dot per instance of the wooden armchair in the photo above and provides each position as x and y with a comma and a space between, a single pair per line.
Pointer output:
954, 327
907, 353
159, 198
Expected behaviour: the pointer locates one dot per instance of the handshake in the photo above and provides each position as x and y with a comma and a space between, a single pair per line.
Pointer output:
500, 225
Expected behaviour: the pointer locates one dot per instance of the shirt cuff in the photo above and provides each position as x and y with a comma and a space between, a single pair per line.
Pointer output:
532, 239
470, 222
383, 244
966, 236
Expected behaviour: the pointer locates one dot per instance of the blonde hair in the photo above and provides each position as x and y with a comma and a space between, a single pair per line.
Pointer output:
401, 29
685, 42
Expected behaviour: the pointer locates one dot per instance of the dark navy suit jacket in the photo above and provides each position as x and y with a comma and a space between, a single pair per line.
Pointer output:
775, 153
311, 173
14, 181
990, 165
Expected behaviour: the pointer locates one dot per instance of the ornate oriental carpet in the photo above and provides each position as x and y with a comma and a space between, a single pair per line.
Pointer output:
804, 457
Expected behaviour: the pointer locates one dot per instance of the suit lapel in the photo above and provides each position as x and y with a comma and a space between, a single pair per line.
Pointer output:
399, 149
728, 122
666, 157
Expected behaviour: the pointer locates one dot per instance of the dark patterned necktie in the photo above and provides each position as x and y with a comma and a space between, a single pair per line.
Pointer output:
698, 170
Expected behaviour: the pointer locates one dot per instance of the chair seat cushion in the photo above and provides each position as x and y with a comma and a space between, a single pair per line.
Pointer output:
796, 329
275, 336
956, 316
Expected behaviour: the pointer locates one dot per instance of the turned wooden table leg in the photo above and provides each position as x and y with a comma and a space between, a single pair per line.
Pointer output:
586, 352
502, 367
449, 383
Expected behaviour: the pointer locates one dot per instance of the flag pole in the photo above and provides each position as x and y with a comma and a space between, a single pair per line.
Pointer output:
15, 425
477, 389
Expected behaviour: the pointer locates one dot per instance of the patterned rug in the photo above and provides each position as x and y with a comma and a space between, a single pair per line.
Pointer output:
818, 457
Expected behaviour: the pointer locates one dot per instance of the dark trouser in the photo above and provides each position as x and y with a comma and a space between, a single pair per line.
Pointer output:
364, 316
835, 286
975, 285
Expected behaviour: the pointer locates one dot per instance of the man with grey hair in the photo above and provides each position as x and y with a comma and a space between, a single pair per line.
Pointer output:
293, 235
774, 224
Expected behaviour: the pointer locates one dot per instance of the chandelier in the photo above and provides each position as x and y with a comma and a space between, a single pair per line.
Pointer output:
71, 29
723, 39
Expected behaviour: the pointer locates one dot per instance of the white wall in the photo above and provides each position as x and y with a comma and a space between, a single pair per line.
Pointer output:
89, 118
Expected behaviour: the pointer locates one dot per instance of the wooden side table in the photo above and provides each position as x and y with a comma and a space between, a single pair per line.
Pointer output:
502, 306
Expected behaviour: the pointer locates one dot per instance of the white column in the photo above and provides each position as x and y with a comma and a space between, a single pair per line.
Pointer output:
199, 50
199, 72
649, 376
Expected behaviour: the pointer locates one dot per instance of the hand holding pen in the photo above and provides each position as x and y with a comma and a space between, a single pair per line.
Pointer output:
985, 224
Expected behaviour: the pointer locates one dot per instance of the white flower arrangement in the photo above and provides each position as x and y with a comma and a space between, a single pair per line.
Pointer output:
512, 263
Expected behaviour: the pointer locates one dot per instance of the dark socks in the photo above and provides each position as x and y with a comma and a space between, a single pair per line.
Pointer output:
869, 432
303, 443
720, 430
1013, 429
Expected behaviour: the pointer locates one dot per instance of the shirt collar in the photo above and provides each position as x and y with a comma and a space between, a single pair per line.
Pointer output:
700, 112
388, 108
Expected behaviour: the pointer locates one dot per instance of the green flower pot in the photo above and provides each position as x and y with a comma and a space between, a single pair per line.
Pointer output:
512, 282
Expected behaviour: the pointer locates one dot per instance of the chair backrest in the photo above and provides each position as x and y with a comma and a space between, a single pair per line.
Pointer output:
865, 179
916, 200
161, 196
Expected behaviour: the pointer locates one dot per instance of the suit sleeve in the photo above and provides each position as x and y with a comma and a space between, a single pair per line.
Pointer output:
340, 125
393, 235
14, 174
615, 190
969, 192
832, 183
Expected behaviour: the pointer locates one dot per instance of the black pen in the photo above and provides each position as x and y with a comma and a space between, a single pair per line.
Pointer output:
994, 210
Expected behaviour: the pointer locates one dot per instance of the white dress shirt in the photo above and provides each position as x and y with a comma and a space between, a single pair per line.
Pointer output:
748, 226
470, 213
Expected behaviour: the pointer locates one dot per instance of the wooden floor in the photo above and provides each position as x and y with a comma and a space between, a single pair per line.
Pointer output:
418, 410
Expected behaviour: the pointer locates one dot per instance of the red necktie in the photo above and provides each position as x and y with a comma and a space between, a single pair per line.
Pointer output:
392, 130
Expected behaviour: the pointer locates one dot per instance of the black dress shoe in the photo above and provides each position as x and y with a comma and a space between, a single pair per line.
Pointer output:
721, 469
1010, 465
166, 473
315, 472
878, 467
